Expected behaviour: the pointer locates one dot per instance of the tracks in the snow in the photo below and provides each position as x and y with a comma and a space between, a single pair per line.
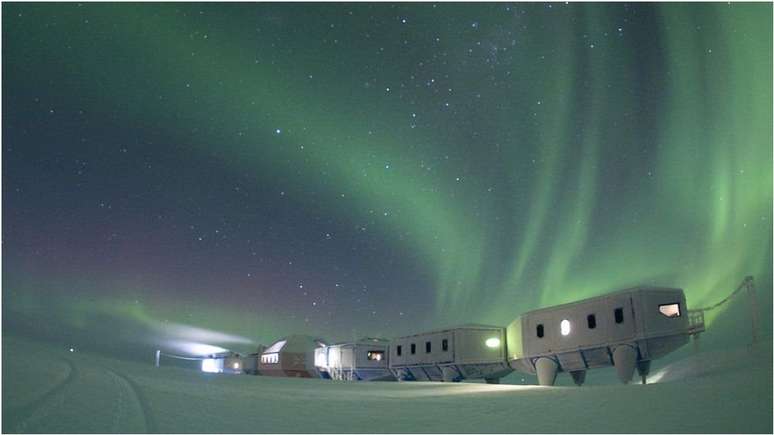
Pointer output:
36, 409
120, 400
130, 396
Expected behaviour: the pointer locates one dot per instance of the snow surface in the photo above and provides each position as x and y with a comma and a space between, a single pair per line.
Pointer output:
55, 390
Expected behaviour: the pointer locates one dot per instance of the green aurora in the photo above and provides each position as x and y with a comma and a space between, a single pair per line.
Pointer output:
578, 159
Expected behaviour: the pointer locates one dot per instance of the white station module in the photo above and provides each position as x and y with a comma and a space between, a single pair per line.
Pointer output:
626, 329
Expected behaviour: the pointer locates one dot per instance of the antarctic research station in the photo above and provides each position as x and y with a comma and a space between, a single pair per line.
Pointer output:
626, 329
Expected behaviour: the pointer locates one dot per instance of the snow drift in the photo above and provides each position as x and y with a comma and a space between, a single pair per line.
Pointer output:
48, 389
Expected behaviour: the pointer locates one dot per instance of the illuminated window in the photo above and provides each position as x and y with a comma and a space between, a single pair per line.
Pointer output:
564, 327
445, 345
670, 310
399, 350
270, 358
592, 320
375, 355
539, 331
427, 347
618, 315
413, 348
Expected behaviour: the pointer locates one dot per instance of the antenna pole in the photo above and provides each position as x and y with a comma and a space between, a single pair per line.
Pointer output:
750, 284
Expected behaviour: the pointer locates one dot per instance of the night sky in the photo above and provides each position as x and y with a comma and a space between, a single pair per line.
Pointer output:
227, 174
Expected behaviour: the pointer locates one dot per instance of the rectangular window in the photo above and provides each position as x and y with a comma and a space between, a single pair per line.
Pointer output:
618, 315
270, 358
427, 347
399, 350
375, 355
413, 348
540, 331
445, 345
670, 310
592, 320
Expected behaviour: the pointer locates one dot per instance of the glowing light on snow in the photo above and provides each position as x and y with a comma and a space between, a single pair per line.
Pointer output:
565, 327
210, 365
492, 342
236, 366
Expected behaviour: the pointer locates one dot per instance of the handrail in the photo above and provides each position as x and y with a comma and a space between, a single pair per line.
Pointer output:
746, 284
696, 315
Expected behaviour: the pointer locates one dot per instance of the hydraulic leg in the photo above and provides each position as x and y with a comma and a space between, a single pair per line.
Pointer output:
546, 371
624, 359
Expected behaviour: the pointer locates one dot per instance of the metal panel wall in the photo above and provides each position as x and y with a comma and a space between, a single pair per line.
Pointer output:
436, 355
580, 335
656, 324
470, 345
515, 339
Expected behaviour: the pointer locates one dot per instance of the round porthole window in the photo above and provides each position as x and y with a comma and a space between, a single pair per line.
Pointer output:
564, 327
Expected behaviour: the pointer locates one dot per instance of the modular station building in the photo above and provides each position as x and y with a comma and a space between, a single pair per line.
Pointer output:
226, 362
250, 361
625, 329
366, 359
292, 356
451, 355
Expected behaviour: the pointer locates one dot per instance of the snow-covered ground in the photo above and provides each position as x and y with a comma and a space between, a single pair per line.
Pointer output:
54, 390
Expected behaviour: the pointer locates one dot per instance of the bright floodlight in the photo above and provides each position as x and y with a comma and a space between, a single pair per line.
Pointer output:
236, 365
199, 349
565, 327
492, 342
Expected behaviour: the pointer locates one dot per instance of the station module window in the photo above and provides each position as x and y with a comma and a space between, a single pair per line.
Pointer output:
270, 358
592, 320
618, 315
445, 344
413, 348
670, 310
539, 331
375, 355
427, 347
399, 350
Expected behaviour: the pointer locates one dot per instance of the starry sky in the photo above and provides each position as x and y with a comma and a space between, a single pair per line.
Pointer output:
227, 174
